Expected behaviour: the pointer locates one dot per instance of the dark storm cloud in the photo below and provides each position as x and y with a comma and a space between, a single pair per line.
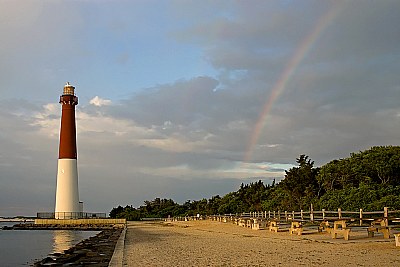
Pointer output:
344, 92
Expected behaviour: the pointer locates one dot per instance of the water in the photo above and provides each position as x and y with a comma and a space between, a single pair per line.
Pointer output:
24, 247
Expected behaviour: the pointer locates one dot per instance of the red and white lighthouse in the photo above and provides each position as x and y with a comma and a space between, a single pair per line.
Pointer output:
67, 194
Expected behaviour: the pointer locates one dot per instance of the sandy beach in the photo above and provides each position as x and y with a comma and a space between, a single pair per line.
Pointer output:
210, 243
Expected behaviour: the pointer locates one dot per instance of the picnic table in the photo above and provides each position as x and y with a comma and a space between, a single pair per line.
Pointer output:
379, 226
296, 227
339, 227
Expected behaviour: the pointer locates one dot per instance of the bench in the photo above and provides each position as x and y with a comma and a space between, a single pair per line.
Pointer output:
242, 222
339, 227
325, 226
379, 226
249, 223
296, 227
258, 224
273, 226
397, 239
278, 226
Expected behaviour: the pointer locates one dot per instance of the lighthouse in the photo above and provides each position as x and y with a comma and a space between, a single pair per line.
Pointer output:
67, 194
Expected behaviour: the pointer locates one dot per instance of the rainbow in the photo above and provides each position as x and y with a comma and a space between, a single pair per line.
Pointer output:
285, 76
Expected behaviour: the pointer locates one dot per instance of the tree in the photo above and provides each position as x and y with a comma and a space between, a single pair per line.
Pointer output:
300, 183
115, 211
368, 180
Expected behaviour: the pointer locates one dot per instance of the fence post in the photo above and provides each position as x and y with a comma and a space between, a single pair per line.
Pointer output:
386, 215
385, 212
301, 214
269, 214
361, 217
274, 215
339, 211
279, 215
286, 218
293, 215
311, 213
323, 214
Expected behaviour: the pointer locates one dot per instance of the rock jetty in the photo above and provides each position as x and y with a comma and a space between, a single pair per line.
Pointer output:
94, 251
81, 227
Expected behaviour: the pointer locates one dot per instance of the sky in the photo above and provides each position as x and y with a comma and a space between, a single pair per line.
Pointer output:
189, 99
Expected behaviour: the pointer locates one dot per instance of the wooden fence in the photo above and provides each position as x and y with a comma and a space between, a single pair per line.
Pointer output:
323, 215
360, 216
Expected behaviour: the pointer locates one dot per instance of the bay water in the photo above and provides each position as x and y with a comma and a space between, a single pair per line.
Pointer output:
24, 247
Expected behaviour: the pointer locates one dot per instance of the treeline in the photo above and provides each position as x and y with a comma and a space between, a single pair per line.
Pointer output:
369, 180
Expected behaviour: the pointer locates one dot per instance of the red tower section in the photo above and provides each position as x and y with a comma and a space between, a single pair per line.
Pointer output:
67, 148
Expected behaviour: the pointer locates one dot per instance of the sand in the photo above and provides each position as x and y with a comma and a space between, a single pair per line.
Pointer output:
210, 243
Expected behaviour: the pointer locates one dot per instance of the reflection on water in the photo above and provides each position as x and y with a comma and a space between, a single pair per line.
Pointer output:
23, 247
63, 240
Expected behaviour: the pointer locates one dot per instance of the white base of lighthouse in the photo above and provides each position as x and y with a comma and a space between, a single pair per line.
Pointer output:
67, 195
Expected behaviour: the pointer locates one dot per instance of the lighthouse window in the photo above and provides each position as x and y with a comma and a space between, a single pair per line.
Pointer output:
68, 90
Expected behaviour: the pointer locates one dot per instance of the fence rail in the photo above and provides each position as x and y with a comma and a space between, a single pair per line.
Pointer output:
363, 217
317, 216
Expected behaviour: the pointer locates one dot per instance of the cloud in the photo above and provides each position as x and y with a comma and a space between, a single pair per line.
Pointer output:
98, 102
334, 97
